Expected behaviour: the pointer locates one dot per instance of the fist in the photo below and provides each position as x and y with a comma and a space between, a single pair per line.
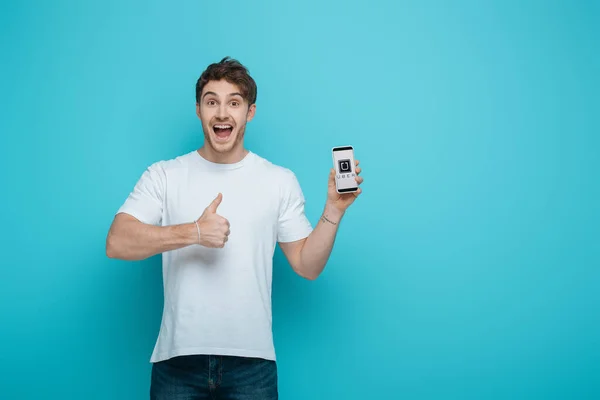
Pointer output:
214, 229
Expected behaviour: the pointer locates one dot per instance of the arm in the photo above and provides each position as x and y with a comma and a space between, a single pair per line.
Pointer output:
309, 256
130, 239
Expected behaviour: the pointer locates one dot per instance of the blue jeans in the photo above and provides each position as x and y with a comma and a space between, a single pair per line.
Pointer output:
197, 377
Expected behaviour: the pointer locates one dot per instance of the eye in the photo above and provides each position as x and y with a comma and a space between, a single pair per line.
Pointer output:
211, 102
235, 103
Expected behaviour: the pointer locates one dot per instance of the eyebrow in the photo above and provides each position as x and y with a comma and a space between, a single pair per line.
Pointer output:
230, 94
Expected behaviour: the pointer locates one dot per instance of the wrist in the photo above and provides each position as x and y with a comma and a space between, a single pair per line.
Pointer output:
333, 213
190, 233
196, 231
182, 235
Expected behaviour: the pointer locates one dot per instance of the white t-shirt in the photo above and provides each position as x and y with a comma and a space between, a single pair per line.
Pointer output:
218, 300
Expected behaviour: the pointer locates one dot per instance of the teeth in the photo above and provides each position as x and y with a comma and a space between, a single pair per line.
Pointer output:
223, 126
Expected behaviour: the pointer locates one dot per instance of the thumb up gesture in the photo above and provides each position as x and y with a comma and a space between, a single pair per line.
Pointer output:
214, 229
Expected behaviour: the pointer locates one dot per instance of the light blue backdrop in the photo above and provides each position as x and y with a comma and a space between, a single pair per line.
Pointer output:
468, 269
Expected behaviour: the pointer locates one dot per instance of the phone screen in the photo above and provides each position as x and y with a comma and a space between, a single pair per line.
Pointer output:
345, 174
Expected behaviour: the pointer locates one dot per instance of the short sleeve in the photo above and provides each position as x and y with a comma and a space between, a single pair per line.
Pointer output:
145, 202
293, 224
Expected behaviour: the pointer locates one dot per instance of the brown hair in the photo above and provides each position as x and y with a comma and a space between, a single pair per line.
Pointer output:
233, 72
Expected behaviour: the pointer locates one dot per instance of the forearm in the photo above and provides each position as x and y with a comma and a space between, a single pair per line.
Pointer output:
130, 239
319, 244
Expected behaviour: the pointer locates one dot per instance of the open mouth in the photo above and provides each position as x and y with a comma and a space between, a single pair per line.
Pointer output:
222, 131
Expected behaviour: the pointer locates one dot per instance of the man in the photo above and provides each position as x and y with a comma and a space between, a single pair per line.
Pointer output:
216, 214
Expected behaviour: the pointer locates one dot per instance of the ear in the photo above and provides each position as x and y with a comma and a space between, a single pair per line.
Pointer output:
251, 112
198, 110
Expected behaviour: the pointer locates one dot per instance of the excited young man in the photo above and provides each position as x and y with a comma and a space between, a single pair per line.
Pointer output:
216, 214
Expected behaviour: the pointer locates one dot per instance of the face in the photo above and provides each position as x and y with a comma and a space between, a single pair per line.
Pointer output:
224, 114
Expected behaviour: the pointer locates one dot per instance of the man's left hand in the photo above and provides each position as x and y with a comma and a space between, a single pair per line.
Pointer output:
341, 201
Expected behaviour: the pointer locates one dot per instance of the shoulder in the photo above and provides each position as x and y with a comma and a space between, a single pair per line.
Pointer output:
158, 173
278, 173
171, 165
280, 178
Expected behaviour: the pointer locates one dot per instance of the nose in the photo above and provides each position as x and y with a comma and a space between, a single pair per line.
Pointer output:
221, 112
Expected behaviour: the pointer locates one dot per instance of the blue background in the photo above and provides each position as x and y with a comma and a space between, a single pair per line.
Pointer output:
468, 269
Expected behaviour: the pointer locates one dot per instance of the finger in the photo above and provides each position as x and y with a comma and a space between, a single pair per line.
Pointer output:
212, 207
359, 179
358, 170
356, 162
227, 233
359, 191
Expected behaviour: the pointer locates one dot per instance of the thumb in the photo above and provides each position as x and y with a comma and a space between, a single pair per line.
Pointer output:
212, 207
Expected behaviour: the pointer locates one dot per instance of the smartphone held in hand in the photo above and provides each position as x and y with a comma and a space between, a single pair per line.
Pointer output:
345, 172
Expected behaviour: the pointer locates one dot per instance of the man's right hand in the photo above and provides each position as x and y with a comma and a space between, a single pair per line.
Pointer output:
214, 229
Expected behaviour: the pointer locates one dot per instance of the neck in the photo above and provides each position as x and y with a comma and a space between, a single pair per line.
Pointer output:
231, 157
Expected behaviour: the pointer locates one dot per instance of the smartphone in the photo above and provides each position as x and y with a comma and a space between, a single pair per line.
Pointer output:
345, 172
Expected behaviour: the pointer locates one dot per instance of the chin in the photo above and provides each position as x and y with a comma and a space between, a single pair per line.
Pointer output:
221, 146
